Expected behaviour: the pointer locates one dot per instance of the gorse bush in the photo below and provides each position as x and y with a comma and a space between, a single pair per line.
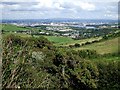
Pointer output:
109, 75
88, 54
19, 66
32, 62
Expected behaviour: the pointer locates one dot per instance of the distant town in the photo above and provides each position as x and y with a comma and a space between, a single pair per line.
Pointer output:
75, 30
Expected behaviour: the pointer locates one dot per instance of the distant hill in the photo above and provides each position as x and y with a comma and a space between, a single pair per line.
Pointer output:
60, 20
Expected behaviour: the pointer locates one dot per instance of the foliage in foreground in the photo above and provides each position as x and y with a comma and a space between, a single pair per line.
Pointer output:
36, 63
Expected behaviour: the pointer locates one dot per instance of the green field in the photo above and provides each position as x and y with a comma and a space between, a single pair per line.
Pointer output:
107, 59
66, 41
59, 40
82, 41
10, 27
104, 47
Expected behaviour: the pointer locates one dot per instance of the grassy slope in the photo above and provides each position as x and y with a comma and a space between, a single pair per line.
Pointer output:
104, 47
82, 41
9, 27
59, 40
66, 41
107, 59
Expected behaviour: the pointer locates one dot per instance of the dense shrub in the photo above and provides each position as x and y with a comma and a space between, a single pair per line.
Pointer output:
109, 75
77, 45
87, 43
35, 63
88, 54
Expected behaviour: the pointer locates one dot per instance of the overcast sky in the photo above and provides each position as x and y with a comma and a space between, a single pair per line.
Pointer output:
46, 9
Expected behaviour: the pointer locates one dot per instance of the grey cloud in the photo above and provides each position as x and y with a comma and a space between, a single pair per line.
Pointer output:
19, 3
8, 3
24, 10
68, 10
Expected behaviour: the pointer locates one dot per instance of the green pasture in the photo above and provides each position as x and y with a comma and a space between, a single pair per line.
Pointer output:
104, 47
66, 41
